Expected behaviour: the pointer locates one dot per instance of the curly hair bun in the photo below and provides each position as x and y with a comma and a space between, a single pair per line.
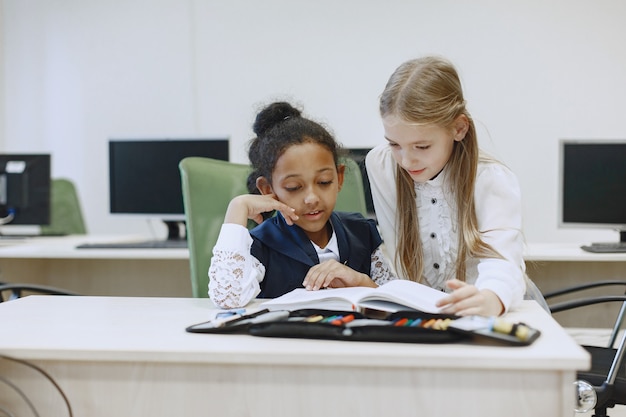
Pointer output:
273, 115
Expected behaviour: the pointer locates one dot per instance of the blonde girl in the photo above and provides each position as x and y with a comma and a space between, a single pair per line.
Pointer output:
449, 215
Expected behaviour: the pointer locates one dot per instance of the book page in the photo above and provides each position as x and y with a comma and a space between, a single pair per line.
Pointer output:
393, 296
406, 293
331, 298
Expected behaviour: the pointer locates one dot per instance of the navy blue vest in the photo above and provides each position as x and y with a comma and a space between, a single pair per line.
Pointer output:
288, 254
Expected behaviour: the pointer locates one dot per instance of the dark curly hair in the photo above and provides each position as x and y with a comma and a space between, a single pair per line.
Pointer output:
277, 127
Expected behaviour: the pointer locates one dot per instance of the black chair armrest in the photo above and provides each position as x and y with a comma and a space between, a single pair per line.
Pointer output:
582, 287
16, 290
581, 302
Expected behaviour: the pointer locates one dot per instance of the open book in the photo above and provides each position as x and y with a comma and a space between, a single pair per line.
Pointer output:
393, 296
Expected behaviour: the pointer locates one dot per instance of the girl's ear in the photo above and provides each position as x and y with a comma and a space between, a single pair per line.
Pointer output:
460, 127
264, 185
341, 169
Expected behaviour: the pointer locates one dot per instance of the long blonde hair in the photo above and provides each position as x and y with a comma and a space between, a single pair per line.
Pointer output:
427, 91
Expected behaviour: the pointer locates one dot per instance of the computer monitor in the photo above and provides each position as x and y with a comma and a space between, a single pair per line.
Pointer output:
144, 178
25, 189
592, 186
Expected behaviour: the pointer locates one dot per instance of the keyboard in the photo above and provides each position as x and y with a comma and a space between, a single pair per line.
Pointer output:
29, 236
146, 244
605, 247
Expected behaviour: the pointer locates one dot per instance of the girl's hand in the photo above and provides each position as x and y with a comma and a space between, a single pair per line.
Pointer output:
251, 206
466, 300
335, 275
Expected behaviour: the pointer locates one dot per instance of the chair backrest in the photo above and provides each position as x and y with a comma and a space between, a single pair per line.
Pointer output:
208, 185
352, 194
66, 216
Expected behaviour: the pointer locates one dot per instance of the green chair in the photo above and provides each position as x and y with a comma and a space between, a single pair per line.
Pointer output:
352, 194
208, 185
66, 217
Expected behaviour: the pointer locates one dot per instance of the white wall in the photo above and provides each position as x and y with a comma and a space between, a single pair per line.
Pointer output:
77, 72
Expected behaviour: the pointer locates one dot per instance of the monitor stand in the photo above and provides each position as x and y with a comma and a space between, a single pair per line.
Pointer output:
176, 229
608, 247
176, 237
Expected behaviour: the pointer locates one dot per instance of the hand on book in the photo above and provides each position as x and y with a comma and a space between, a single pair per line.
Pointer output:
332, 274
467, 300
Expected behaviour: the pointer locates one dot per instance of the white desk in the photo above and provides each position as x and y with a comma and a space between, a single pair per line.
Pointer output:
568, 252
165, 272
124, 356
552, 266
57, 262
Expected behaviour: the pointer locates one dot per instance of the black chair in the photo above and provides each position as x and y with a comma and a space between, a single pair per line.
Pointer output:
11, 291
604, 385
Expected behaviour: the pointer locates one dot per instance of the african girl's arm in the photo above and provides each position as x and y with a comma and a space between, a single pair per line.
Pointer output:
234, 274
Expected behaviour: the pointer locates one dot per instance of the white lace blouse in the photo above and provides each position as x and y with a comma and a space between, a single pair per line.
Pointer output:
497, 199
235, 275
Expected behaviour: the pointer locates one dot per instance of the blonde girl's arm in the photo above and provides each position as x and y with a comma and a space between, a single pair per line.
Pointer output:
234, 274
499, 213
381, 271
381, 171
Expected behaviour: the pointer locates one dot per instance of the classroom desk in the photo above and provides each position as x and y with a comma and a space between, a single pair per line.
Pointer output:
553, 266
57, 262
165, 272
125, 356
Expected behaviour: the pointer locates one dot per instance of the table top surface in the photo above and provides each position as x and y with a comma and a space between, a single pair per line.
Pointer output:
64, 247
568, 252
150, 329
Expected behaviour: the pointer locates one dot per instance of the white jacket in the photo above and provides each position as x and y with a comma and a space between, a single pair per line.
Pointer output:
497, 199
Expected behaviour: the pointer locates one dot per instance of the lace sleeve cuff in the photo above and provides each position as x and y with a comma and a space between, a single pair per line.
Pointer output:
381, 272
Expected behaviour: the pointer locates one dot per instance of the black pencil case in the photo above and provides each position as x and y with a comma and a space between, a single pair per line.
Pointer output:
401, 326
396, 327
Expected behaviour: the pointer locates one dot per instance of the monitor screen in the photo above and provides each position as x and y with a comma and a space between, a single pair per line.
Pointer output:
144, 178
25, 189
593, 184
